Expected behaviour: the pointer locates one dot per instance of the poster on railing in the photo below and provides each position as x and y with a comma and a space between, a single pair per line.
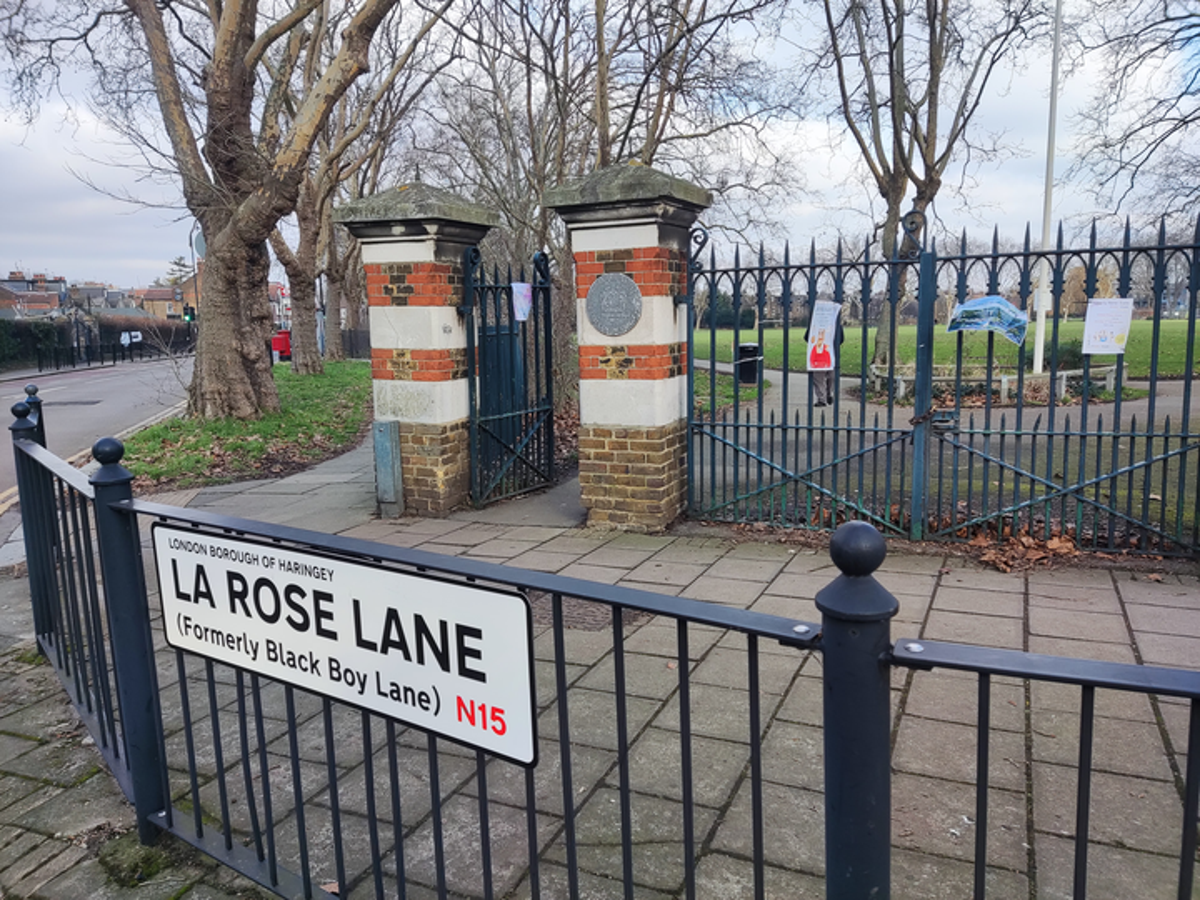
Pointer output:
452, 658
991, 313
1106, 325
822, 333
522, 294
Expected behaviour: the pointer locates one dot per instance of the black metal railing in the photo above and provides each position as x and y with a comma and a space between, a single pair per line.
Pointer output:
88, 355
61, 526
668, 729
1089, 676
510, 377
245, 753
356, 343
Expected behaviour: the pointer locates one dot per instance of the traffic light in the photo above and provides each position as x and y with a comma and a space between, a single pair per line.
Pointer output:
189, 313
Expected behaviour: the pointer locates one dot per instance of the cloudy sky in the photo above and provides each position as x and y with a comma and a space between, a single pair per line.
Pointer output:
55, 223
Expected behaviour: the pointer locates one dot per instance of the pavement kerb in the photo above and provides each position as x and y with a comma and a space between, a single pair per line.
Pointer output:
9, 498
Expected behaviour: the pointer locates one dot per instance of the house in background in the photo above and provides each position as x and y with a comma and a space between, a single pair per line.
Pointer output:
91, 296
169, 302
192, 287
160, 302
38, 283
28, 303
281, 304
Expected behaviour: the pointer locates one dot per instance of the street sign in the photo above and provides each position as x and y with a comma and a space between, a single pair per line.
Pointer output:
451, 658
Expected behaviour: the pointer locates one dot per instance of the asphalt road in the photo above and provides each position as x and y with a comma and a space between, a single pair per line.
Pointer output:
82, 405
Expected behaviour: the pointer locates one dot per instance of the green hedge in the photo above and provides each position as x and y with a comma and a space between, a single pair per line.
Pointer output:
21, 339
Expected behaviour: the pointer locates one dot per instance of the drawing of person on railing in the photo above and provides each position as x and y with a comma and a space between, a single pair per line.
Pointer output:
822, 357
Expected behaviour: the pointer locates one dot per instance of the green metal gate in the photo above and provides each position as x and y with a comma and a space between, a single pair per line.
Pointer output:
510, 377
771, 453
954, 437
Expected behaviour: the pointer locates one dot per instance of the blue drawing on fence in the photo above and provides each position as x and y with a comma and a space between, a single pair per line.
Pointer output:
990, 313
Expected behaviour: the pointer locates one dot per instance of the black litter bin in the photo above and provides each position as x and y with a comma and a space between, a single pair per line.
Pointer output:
748, 362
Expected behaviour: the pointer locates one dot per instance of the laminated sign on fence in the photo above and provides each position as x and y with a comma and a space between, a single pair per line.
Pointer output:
990, 314
452, 658
1106, 325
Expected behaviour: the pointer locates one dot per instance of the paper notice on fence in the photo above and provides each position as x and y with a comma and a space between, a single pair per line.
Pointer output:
522, 294
822, 336
990, 313
1106, 327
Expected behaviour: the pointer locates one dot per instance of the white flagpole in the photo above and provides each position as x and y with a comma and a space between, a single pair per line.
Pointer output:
1042, 295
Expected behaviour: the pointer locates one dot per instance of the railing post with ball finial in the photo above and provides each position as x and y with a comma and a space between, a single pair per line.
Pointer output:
856, 644
129, 624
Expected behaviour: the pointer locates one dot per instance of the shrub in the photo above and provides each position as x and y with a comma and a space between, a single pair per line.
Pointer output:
722, 314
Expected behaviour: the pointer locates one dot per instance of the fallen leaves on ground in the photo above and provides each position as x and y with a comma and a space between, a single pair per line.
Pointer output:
566, 437
1023, 551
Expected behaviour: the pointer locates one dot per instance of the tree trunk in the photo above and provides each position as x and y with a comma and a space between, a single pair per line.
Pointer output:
353, 295
232, 373
333, 315
301, 267
885, 333
306, 350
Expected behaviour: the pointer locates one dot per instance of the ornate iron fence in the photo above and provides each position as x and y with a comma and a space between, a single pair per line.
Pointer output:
953, 438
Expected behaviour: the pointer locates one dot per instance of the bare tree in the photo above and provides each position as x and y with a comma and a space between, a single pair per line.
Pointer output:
201, 90
907, 80
551, 91
1141, 131
361, 126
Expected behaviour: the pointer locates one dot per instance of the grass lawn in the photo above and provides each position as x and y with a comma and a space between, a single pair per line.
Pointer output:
702, 391
1172, 351
321, 417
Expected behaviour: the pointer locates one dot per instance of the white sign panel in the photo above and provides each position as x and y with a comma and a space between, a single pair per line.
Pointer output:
1106, 325
822, 336
522, 294
451, 658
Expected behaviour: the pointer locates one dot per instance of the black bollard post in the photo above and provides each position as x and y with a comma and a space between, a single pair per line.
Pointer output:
856, 641
35, 413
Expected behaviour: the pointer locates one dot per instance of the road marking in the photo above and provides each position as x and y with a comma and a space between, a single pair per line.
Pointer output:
9, 498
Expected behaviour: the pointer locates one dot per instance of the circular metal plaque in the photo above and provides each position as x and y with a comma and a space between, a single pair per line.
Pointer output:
614, 304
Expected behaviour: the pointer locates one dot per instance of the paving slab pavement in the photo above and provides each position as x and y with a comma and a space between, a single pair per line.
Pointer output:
59, 810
